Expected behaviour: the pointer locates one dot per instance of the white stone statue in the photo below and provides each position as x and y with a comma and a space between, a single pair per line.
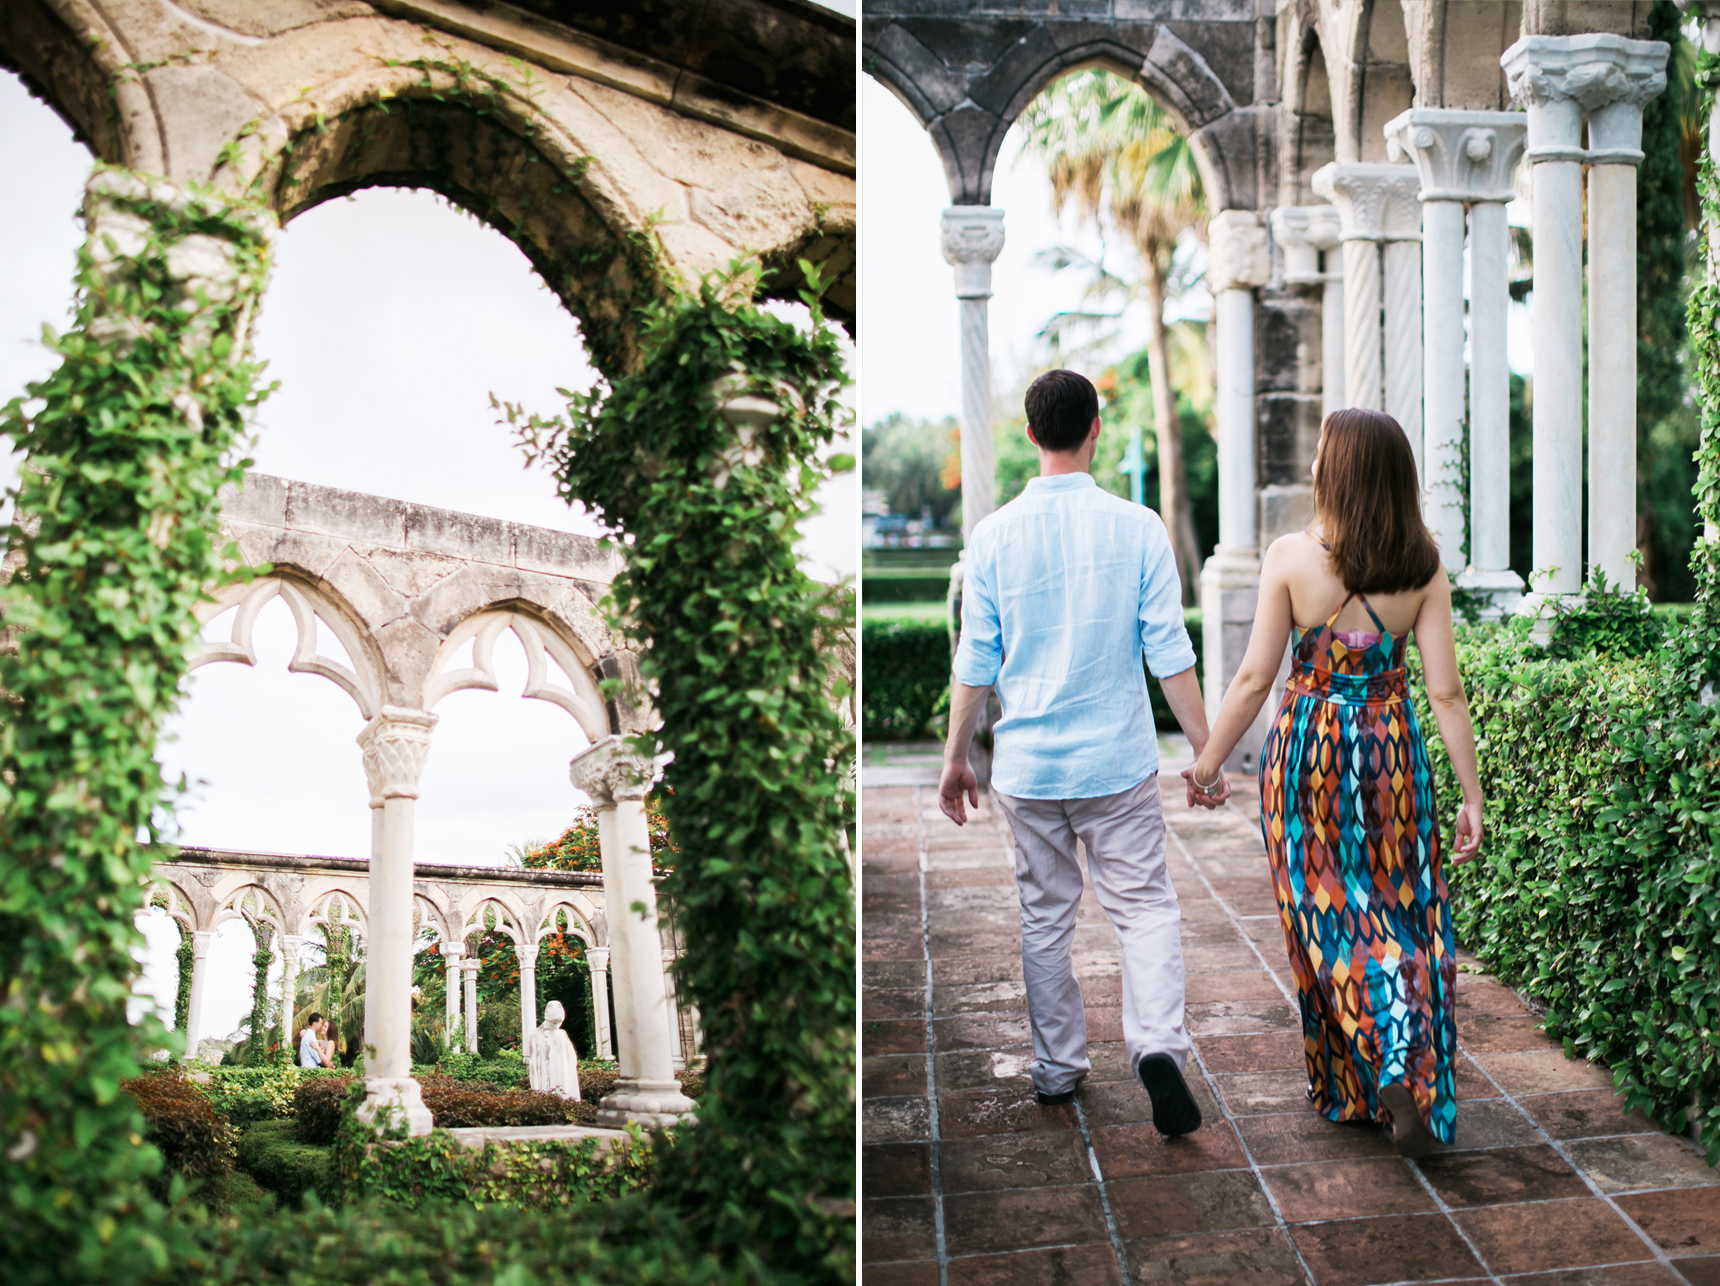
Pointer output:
553, 1061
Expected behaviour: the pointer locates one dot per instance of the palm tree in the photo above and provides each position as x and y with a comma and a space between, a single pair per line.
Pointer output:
335, 988
1111, 150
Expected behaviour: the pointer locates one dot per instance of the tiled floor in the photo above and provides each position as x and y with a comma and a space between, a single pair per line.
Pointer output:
968, 1182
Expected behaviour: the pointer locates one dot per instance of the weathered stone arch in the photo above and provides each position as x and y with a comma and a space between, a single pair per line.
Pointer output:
68, 54
498, 913
172, 898
585, 922
544, 638
328, 895
966, 83
1307, 137
248, 898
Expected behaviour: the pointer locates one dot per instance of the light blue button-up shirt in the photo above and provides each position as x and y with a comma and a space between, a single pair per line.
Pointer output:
1065, 589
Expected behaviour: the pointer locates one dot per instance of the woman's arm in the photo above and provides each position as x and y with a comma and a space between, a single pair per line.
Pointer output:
1450, 707
1249, 689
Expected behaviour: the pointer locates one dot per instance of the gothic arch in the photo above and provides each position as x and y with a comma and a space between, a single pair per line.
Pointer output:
579, 921
173, 899
542, 643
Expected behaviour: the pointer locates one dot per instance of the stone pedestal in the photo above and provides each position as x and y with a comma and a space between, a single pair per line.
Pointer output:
597, 958
646, 1091
972, 240
396, 743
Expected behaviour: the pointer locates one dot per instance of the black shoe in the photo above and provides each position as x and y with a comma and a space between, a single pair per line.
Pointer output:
1054, 1100
1174, 1109
1410, 1135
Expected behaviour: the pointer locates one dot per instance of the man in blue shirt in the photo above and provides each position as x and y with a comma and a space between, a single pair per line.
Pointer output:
1066, 589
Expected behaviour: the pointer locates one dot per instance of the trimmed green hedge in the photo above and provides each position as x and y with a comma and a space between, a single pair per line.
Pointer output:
1597, 891
915, 586
245, 1095
271, 1153
907, 668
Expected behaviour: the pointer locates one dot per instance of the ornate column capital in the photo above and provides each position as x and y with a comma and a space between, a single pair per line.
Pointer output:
1302, 232
290, 944
201, 941
471, 964
598, 959
526, 953
452, 951
395, 744
1460, 156
1239, 255
1375, 202
609, 771
973, 239
1561, 78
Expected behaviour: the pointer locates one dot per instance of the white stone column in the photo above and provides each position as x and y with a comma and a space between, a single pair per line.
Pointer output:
1239, 261
201, 941
1380, 220
527, 955
1635, 72
598, 960
677, 1054
291, 943
973, 238
646, 1090
469, 968
1461, 157
452, 954
396, 743
1537, 68
1489, 568
1312, 242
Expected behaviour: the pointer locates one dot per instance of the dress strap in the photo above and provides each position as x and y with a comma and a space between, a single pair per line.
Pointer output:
1371, 612
1309, 531
1333, 618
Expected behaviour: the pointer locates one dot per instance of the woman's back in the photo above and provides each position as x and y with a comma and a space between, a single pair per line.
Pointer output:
1316, 591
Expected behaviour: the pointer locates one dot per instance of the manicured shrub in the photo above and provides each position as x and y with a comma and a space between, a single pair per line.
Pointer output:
195, 1140
1598, 886
508, 1071
271, 1153
907, 666
457, 1107
248, 1094
318, 1106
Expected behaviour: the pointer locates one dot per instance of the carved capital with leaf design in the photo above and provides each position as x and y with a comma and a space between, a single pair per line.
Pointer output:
395, 743
610, 771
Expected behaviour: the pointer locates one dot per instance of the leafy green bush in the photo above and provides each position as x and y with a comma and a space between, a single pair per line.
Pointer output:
454, 1107
1598, 886
248, 1094
907, 666
318, 1106
507, 1072
195, 1140
904, 586
271, 1153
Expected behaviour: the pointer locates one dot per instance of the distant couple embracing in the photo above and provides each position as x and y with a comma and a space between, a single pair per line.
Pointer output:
1067, 589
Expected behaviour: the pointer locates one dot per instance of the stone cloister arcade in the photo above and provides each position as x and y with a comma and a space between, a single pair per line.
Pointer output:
1357, 157
619, 156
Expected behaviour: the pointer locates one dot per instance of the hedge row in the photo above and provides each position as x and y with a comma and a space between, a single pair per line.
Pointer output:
195, 1140
919, 585
907, 664
1598, 888
247, 1094
271, 1153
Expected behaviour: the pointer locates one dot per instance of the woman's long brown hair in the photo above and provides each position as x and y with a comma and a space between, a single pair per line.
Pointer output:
1369, 499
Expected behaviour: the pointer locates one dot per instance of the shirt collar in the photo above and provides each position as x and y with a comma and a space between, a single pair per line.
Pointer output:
1063, 482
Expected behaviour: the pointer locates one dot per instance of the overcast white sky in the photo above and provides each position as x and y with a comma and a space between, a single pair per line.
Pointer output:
389, 320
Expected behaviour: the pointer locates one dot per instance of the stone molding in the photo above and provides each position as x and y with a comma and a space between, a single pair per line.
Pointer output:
453, 952
1461, 156
1302, 233
609, 772
972, 241
1240, 255
1375, 202
396, 744
1603, 76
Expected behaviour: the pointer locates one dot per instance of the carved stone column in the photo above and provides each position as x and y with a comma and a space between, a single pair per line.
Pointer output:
395, 743
1311, 239
1464, 158
1381, 227
598, 959
1632, 73
527, 956
646, 1090
201, 941
452, 953
290, 946
1240, 261
469, 968
973, 238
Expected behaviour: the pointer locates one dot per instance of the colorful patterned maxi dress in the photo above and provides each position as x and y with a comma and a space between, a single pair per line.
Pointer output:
1347, 810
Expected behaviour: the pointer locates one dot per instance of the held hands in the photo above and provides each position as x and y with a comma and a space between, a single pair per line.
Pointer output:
958, 780
1210, 797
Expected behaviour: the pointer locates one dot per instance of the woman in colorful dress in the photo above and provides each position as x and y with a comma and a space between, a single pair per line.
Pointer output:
1347, 806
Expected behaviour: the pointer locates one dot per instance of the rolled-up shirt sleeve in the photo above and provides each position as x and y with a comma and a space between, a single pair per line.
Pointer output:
979, 655
1164, 636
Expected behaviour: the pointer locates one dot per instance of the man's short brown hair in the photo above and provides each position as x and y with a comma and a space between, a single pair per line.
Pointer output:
1061, 408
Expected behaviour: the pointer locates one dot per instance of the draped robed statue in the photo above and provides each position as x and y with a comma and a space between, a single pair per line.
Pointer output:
553, 1061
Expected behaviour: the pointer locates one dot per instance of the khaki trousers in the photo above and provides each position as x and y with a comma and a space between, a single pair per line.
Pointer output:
1124, 835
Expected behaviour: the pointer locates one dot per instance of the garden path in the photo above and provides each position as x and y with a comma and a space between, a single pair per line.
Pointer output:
966, 1180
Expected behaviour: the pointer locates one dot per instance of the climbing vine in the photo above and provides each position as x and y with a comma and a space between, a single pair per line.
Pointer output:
1704, 325
737, 646
128, 442
185, 958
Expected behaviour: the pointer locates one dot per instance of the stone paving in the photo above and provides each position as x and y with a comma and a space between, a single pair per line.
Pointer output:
966, 1181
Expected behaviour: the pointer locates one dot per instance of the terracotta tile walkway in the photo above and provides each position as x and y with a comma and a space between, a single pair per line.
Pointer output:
967, 1181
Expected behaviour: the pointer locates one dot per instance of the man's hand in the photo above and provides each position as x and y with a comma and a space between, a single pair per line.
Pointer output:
958, 780
1206, 799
